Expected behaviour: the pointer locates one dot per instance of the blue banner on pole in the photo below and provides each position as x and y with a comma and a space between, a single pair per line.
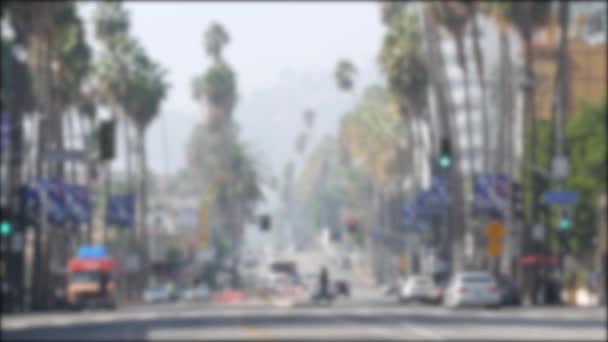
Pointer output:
120, 210
491, 194
65, 203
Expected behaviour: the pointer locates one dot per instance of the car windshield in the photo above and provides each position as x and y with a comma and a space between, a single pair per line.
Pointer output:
81, 277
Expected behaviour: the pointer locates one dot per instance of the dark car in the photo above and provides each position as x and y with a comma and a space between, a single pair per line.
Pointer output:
509, 292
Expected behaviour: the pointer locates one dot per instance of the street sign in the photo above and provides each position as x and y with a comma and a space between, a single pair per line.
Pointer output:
563, 197
559, 167
493, 249
494, 230
66, 155
402, 263
494, 233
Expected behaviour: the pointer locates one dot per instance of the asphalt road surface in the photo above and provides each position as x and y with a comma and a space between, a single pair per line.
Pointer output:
358, 319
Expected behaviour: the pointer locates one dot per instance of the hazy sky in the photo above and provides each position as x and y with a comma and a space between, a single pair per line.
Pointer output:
267, 41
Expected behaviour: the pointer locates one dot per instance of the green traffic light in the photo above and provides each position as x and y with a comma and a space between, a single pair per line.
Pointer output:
564, 223
5, 228
444, 161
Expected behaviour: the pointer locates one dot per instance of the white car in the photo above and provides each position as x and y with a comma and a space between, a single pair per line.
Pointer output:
472, 289
416, 287
157, 295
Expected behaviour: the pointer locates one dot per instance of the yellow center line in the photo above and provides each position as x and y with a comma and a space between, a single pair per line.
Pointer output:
256, 333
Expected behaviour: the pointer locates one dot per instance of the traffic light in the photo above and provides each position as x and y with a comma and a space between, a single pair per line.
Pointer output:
563, 221
352, 225
517, 200
445, 154
107, 134
265, 222
5, 222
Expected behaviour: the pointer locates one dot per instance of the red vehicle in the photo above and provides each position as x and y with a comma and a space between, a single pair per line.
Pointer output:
91, 283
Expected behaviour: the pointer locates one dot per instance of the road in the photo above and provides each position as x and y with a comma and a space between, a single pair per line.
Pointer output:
358, 319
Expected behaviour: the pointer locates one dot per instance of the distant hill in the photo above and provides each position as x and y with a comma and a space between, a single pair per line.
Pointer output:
271, 118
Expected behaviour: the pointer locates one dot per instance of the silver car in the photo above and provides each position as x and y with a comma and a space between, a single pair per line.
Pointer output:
472, 289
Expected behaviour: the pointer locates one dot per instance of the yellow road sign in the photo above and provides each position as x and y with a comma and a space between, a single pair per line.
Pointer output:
493, 249
494, 230
402, 263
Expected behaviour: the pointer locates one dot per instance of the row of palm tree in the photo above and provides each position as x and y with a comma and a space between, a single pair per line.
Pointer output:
412, 61
68, 85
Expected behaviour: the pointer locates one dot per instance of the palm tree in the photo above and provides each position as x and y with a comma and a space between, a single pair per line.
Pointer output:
391, 10
111, 22
309, 118
215, 40
445, 108
344, 73
479, 64
301, 141
453, 16
146, 89
35, 25
526, 17
218, 84
402, 62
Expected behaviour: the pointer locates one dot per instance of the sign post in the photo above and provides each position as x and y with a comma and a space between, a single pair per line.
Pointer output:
494, 233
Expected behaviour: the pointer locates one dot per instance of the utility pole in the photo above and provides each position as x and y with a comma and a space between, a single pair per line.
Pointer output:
562, 95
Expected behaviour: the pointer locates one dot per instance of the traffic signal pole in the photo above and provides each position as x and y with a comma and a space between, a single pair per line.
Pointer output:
562, 102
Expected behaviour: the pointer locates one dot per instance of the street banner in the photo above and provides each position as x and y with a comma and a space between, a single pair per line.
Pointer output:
65, 203
120, 210
491, 193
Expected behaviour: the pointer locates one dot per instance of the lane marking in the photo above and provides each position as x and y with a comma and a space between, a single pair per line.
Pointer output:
257, 333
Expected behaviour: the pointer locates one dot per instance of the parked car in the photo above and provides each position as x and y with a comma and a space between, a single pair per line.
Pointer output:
509, 292
439, 287
157, 295
416, 287
472, 289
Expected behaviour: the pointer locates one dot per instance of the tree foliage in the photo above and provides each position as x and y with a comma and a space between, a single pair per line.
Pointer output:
344, 74
214, 40
402, 61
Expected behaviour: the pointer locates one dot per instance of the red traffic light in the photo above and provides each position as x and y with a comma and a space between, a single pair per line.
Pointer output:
352, 224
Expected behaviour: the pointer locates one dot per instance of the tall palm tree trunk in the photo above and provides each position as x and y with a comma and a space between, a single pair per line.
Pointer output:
504, 148
479, 63
141, 205
529, 128
466, 154
455, 178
